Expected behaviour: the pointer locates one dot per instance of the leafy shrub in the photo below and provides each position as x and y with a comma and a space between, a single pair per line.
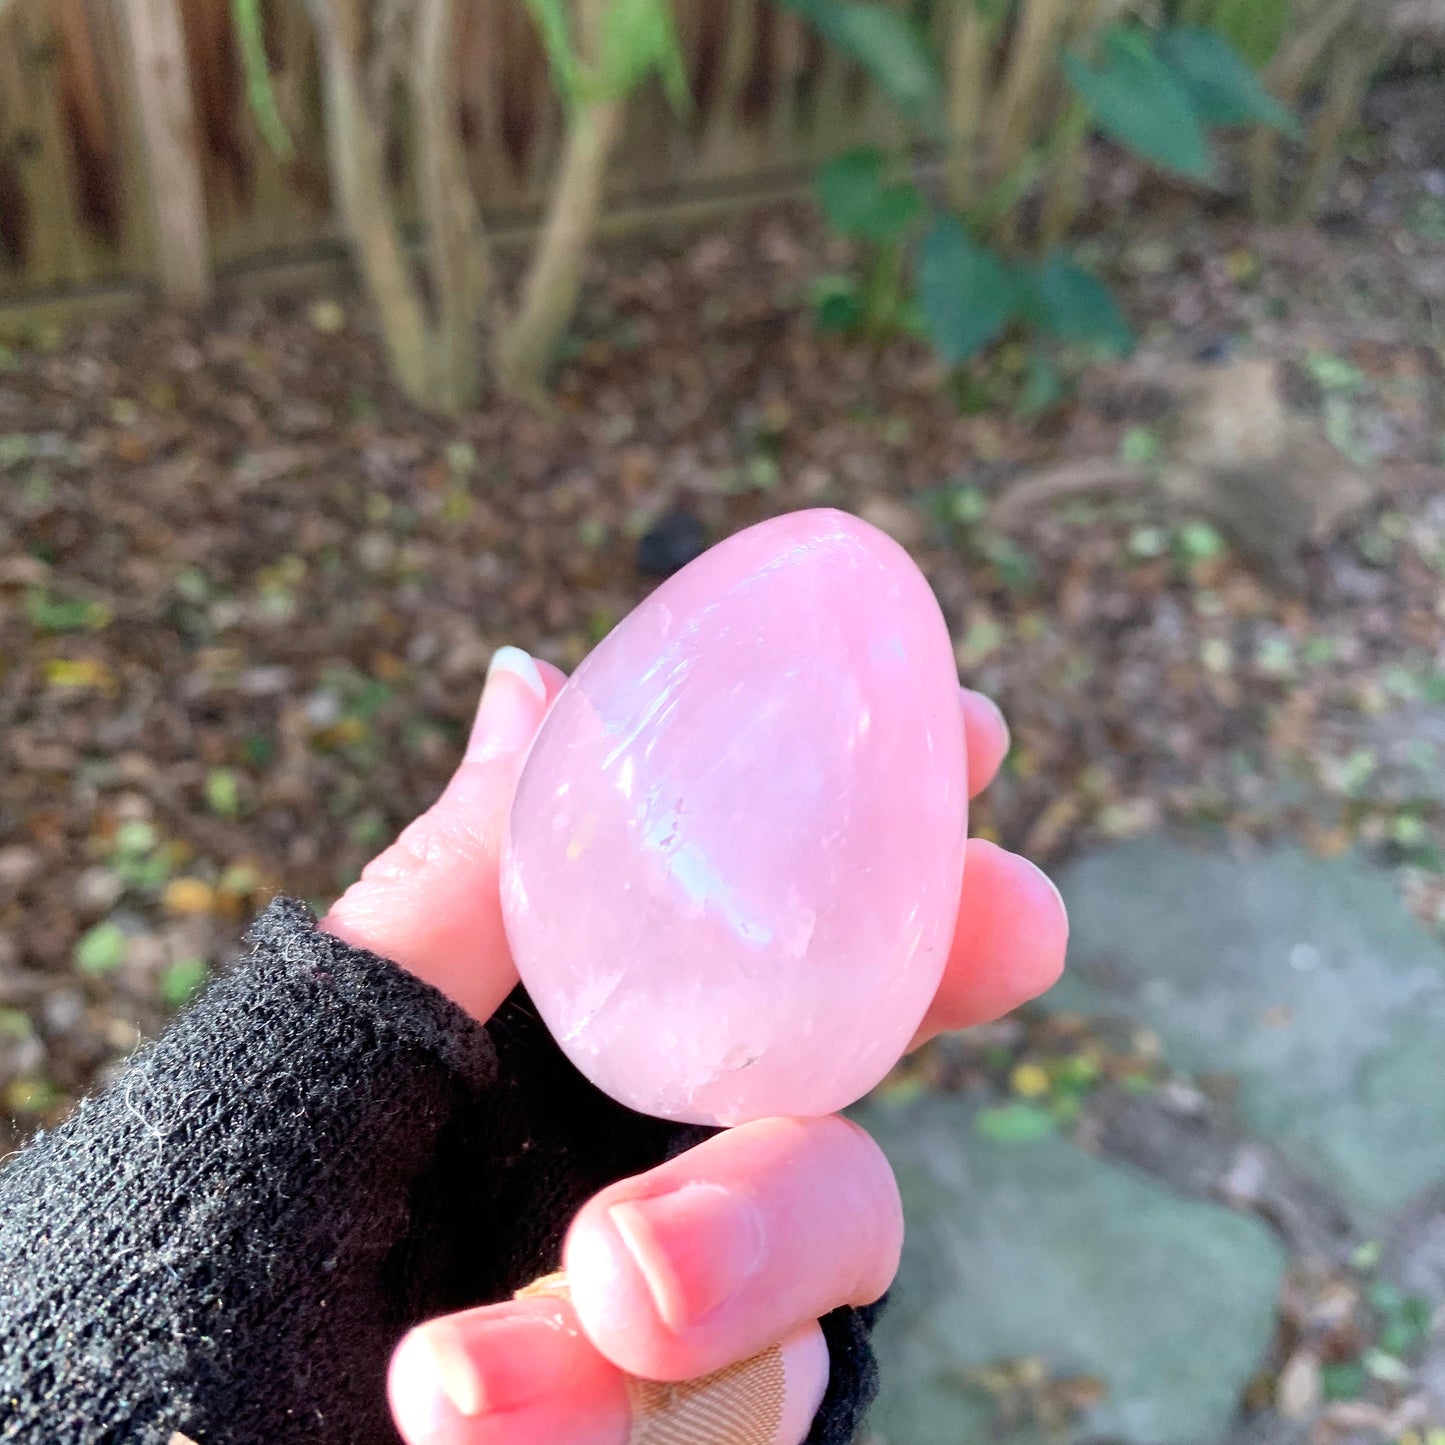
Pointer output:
949, 266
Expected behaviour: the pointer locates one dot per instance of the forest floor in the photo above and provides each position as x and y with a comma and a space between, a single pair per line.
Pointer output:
248, 595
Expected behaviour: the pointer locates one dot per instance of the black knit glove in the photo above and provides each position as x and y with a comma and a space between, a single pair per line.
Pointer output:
230, 1240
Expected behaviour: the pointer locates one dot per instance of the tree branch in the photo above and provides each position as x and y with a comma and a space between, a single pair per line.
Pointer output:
358, 174
457, 256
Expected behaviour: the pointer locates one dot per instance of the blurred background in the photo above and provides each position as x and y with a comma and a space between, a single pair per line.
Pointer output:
344, 341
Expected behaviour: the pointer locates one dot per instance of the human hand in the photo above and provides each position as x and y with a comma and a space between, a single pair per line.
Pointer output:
744, 1241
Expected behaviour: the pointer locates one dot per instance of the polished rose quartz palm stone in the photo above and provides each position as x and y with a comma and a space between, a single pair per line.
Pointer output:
733, 864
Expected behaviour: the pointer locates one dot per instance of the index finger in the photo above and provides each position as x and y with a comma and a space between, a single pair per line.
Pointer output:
432, 900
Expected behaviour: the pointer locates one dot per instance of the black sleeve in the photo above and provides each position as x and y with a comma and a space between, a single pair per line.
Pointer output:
230, 1239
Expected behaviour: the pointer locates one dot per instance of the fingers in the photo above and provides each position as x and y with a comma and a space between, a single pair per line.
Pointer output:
431, 900
985, 737
737, 1243
524, 1373
1009, 945
513, 1374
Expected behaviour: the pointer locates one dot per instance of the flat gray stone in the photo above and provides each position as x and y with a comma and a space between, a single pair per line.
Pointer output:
1038, 1250
1304, 978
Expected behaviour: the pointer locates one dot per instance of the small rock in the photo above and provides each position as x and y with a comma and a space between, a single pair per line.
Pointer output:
670, 544
1215, 352
375, 551
898, 519
1040, 1251
21, 1056
18, 865
265, 681
63, 1010
327, 316
1298, 1391
323, 708
1330, 1061
97, 891
302, 417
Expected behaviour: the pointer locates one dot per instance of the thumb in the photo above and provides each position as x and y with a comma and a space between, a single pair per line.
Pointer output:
431, 902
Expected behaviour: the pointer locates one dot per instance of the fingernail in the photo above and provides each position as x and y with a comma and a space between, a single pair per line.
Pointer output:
695, 1248
507, 713
997, 711
431, 1382
521, 664
476, 1363
805, 1370
1053, 888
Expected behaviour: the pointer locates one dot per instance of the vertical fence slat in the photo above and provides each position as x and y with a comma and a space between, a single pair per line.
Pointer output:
54, 245
162, 98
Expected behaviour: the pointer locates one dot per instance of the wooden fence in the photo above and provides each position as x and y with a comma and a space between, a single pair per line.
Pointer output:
770, 99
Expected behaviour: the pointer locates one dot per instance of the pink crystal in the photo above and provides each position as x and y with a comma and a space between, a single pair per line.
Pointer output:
733, 864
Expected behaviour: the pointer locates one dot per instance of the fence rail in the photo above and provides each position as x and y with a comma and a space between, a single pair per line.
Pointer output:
74, 184
80, 129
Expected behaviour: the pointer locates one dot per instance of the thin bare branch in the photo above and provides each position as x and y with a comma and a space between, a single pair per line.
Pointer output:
358, 177
970, 43
549, 291
456, 244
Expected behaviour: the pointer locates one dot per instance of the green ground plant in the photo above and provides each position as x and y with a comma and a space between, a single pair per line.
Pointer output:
1009, 94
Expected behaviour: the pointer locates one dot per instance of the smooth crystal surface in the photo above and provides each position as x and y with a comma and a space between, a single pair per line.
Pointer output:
733, 864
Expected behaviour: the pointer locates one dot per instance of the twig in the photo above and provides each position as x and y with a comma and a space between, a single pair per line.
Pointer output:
1345, 90
1070, 479
459, 262
970, 41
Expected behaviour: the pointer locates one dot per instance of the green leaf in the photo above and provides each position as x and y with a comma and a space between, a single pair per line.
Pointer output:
637, 38
182, 981
1198, 542
250, 31
101, 950
858, 203
1074, 306
51, 613
550, 18
837, 303
1255, 28
223, 793
1137, 101
1043, 386
135, 837
1015, 1123
1224, 89
1141, 446
888, 46
15, 1025
1015, 567
964, 292
894, 53
1334, 373
1343, 1382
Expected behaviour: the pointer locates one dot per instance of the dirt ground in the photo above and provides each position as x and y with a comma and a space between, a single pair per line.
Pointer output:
247, 595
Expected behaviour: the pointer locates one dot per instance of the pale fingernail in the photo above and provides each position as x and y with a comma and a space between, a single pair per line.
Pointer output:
514, 660
695, 1248
508, 711
431, 1382
476, 1363
805, 1381
997, 712
1053, 888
